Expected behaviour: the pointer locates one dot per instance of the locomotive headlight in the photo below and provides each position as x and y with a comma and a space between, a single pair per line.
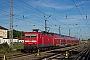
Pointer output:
27, 41
34, 41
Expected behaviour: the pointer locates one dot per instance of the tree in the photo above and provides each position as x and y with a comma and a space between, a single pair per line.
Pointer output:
16, 33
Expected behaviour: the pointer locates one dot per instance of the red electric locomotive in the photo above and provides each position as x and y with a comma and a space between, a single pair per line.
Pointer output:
35, 40
39, 40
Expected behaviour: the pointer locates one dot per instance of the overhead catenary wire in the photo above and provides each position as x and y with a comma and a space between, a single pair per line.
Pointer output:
57, 11
35, 8
19, 15
24, 11
86, 21
26, 18
84, 12
16, 18
63, 12
80, 14
59, 21
78, 10
41, 12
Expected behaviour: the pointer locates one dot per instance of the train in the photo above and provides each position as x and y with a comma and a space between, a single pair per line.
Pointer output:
40, 40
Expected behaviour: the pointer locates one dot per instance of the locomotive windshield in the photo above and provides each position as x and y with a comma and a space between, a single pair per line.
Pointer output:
30, 35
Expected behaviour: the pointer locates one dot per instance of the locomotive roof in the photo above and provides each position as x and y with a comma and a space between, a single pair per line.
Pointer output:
44, 32
50, 33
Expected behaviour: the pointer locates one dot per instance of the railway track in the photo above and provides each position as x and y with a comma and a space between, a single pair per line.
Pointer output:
61, 55
16, 56
88, 56
19, 55
83, 55
54, 54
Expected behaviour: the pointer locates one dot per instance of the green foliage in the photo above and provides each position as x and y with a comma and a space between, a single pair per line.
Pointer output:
4, 47
16, 34
18, 46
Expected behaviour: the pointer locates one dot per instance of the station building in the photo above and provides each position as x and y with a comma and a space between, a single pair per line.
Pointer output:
3, 36
3, 32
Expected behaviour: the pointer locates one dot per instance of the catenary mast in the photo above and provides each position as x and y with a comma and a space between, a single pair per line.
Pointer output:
11, 25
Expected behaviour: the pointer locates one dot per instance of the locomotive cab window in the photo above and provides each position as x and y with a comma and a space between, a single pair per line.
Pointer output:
30, 35
33, 36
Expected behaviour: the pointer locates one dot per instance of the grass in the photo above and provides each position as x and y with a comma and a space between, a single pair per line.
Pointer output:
18, 46
5, 49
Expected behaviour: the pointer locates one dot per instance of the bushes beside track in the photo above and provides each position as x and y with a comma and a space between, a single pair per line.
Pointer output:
5, 48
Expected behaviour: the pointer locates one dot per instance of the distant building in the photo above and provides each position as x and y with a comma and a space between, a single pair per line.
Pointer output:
3, 37
3, 40
21, 39
85, 41
3, 32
